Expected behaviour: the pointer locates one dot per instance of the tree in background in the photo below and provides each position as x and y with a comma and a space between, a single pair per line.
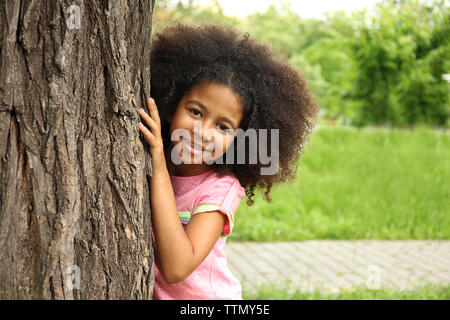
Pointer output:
172, 11
401, 55
377, 68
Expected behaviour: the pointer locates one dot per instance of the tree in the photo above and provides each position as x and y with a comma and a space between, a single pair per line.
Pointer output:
74, 201
400, 60
193, 12
281, 27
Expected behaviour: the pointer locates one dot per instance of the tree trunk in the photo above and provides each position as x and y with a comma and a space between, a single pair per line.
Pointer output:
74, 173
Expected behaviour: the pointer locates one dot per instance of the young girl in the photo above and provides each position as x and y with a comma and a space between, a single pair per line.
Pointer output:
209, 78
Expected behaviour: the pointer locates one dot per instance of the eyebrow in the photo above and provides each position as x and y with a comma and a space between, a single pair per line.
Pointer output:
202, 106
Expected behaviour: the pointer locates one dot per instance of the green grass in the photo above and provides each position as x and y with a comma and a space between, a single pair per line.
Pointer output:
426, 292
359, 184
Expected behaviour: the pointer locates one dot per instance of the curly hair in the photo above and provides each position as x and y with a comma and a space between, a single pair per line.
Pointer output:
274, 95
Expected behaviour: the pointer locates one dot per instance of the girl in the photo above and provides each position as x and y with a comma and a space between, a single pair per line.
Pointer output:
208, 78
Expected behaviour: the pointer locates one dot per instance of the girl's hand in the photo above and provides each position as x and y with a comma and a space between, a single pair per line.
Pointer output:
152, 136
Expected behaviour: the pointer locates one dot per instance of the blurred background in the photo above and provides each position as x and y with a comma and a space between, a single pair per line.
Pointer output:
368, 62
377, 164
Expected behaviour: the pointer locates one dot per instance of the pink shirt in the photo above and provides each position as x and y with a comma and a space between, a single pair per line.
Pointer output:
211, 280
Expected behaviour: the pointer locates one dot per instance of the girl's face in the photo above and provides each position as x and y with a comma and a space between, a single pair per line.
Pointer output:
208, 116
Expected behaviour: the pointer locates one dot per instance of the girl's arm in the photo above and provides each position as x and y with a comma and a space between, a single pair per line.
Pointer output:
179, 251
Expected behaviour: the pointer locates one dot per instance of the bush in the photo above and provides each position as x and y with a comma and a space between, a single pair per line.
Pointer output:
400, 61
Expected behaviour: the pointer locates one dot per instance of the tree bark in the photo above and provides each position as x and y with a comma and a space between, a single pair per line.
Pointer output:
74, 172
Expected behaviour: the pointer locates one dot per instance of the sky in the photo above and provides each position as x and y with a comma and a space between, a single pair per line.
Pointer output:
305, 8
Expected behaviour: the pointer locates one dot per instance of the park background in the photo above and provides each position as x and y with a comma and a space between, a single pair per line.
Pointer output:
377, 164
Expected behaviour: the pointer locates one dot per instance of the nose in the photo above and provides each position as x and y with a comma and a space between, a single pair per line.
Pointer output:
208, 132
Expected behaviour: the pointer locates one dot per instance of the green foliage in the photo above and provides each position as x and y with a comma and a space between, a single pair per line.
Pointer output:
313, 75
278, 26
169, 12
338, 70
400, 60
374, 68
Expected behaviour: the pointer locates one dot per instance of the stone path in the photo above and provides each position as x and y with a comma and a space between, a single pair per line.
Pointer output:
332, 265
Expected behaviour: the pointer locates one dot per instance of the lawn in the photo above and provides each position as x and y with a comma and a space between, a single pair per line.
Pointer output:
426, 292
359, 184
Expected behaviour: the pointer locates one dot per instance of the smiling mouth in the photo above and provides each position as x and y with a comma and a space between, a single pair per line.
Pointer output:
192, 148
195, 148
208, 148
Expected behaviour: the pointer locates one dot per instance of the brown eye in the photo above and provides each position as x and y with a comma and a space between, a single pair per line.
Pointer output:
195, 112
223, 128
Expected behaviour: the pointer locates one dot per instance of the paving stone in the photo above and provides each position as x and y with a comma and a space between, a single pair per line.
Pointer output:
333, 265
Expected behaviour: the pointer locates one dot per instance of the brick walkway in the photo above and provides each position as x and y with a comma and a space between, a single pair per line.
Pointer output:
331, 265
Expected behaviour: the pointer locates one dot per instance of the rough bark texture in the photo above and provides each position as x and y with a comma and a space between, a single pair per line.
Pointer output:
74, 168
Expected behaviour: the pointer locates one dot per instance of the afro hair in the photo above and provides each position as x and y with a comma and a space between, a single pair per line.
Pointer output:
273, 93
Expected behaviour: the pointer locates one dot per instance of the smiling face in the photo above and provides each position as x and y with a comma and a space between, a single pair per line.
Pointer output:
207, 115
